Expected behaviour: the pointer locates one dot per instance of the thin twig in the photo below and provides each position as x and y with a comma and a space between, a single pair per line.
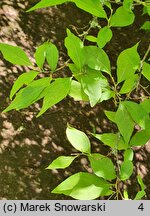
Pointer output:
63, 66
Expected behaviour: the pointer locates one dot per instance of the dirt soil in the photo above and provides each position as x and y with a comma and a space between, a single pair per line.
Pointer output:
29, 144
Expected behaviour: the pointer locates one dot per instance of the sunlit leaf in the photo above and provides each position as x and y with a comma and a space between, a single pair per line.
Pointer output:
92, 7
104, 36
129, 84
146, 25
146, 105
126, 196
146, 70
28, 95
77, 92
106, 94
78, 140
137, 113
127, 63
97, 59
141, 183
91, 38
113, 140
142, 193
99, 164
46, 3
75, 49
122, 17
128, 154
15, 55
110, 115
91, 84
83, 186
126, 170
49, 52
40, 55
140, 138
127, 4
54, 93
52, 56
124, 122
61, 162
23, 79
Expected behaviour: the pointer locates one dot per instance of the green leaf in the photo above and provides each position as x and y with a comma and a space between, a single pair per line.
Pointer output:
106, 94
99, 164
122, 17
78, 140
129, 84
23, 79
61, 162
110, 115
97, 59
146, 25
128, 155
52, 56
127, 4
83, 186
137, 113
113, 140
46, 3
146, 105
141, 183
54, 93
91, 6
91, 38
127, 63
92, 82
146, 70
49, 52
125, 194
76, 72
126, 170
104, 36
77, 92
140, 138
75, 49
140, 195
15, 55
28, 95
124, 122
40, 55
148, 8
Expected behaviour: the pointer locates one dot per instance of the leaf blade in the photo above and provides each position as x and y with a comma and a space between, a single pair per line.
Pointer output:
122, 17
104, 36
25, 78
14, 55
129, 58
122, 119
78, 140
75, 49
46, 3
99, 164
61, 162
126, 170
83, 186
54, 93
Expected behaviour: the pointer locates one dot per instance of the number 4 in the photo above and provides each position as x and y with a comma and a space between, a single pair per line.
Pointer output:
141, 207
